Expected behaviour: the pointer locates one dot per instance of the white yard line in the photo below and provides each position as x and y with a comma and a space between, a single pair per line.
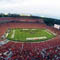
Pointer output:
33, 29
48, 32
28, 29
25, 29
7, 34
36, 38
13, 34
51, 32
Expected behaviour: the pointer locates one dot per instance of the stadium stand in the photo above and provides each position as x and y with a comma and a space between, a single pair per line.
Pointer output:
46, 50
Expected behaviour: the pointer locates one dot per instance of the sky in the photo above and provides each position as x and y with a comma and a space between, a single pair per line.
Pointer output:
44, 8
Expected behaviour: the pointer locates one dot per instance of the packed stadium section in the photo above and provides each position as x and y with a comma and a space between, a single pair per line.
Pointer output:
29, 38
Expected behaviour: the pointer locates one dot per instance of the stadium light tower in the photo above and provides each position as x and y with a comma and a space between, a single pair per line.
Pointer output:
6, 13
42, 16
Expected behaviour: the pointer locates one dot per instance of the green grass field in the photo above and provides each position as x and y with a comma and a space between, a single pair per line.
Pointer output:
24, 35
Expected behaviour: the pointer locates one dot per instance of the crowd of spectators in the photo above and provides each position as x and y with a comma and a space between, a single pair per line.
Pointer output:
13, 51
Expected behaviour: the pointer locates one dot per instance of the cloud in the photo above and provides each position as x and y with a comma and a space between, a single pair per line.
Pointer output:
50, 8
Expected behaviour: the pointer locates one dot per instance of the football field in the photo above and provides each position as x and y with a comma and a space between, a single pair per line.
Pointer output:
29, 35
